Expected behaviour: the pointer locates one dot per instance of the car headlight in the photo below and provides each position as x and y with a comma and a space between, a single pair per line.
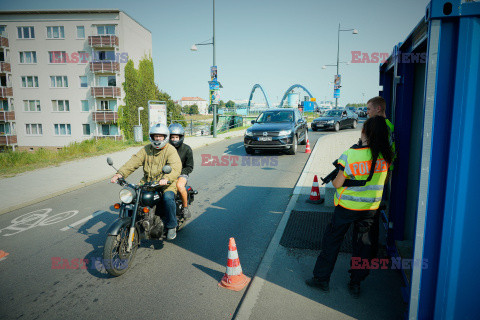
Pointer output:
249, 133
331, 121
127, 195
284, 132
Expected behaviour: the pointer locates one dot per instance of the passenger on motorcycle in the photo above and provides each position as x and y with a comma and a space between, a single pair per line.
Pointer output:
153, 157
177, 134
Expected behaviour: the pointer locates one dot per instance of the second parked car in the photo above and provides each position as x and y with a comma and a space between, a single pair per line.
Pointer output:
336, 119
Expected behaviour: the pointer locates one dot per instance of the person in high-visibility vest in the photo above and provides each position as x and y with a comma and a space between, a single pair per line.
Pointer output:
359, 184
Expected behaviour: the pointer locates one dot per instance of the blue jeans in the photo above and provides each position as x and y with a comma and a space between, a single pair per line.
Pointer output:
169, 210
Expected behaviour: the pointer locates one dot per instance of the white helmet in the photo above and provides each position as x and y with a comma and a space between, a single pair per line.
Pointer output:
162, 129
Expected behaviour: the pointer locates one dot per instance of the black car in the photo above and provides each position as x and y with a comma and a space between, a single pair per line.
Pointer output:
280, 129
336, 119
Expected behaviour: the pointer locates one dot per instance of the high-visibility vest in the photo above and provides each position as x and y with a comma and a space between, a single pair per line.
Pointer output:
391, 139
357, 162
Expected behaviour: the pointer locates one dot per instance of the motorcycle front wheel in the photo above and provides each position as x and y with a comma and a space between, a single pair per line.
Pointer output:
115, 256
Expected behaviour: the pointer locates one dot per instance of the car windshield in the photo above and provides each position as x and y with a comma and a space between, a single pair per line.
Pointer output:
275, 116
333, 113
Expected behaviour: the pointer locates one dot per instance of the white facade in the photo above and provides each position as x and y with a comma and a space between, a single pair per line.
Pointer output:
109, 36
190, 101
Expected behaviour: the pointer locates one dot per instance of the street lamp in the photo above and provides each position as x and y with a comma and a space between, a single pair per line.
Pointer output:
354, 31
204, 43
139, 109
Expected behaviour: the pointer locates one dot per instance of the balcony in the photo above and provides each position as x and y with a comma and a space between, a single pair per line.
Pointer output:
6, 140
105, 67
7, 116
106, 92
5, 67
109, 41
6, 92
105, 116
3, 42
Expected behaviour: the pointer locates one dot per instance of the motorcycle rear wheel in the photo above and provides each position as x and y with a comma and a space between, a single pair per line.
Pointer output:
116, 259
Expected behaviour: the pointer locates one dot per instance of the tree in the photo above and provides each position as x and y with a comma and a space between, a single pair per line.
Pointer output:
221, 104
140, 87
230, 104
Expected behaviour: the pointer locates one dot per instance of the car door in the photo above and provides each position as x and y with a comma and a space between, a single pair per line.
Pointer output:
300, 126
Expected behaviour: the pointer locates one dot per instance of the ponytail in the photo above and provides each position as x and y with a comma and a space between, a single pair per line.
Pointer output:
377, 134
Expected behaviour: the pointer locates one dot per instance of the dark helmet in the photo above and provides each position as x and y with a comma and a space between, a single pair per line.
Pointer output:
177, 129
162, 129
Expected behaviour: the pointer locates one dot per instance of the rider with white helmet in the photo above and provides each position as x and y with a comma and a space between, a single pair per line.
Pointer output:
177, 135
153, 157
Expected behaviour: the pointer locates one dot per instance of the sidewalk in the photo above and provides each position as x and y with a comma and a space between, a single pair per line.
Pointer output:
278, 290
34, 186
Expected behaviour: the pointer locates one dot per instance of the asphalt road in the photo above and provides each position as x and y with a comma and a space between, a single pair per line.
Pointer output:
169, 280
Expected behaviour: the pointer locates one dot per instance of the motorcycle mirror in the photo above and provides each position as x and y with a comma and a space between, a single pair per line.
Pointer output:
166, 169
110, 161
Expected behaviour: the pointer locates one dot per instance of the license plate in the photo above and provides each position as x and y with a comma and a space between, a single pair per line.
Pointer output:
320, 125
265, 139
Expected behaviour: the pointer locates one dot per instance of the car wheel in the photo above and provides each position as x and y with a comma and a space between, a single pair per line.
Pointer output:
304, 142
354, 124
293, 148
337, 127
249, 150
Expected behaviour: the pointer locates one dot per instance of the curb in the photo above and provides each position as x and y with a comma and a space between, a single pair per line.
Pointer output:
258, 280
86, 184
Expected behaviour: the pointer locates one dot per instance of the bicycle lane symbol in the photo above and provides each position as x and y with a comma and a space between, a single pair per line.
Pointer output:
34, 219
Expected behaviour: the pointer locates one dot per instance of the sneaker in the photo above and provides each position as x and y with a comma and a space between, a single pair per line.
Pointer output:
186, 213
354, 289
172, 234
316, 283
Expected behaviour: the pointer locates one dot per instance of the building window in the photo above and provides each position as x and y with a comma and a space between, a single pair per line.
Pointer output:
30, 82
55, 32
109, 105
28, 57
106, 30
33, 129
4, 128
58, 82
4, 105
83, 82
31, 105
61, 105
109, 130
57, 57
26, 33
104, 55
85, 106
3, 31
62, 129
86, 129
80, 32
83, 56
107, 81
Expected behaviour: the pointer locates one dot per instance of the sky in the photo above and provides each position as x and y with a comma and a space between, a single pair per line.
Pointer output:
275, 43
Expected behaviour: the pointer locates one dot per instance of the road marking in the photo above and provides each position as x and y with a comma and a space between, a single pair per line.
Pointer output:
239, 147
70, 226
226, 152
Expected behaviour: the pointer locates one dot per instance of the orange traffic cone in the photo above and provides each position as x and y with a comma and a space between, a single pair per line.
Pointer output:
307, 149
315, 193
234, 279
3, 254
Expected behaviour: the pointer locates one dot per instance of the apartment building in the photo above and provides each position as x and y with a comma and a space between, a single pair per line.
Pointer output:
190, 101
61, 74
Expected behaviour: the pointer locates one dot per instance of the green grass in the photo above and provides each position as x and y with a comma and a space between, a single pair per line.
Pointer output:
12, 163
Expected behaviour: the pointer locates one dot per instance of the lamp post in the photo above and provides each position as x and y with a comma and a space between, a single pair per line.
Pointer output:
139, 109
194, 48
354, 31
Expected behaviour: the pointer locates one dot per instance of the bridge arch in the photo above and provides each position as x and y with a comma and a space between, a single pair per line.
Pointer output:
293, 87
253, 90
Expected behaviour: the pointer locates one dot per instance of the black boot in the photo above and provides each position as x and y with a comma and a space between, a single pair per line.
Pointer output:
316, 283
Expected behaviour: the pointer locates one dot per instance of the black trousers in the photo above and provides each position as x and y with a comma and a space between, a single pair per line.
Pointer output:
332, 241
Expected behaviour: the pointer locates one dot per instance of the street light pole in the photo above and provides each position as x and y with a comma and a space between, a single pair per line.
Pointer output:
214, 61
338, 54
139, 109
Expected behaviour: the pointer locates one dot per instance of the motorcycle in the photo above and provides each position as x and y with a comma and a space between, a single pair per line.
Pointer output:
138, 220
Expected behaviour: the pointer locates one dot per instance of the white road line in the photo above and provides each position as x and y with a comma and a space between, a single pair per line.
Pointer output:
226, 152
239, 147
70, 226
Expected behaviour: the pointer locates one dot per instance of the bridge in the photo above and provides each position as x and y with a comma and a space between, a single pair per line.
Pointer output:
258, 86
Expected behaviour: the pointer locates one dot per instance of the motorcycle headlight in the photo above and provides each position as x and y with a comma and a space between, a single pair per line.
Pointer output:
127, 195
284, 132
331, 121
249, 133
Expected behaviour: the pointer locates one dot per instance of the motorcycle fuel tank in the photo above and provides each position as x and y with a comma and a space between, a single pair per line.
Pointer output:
150, 198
